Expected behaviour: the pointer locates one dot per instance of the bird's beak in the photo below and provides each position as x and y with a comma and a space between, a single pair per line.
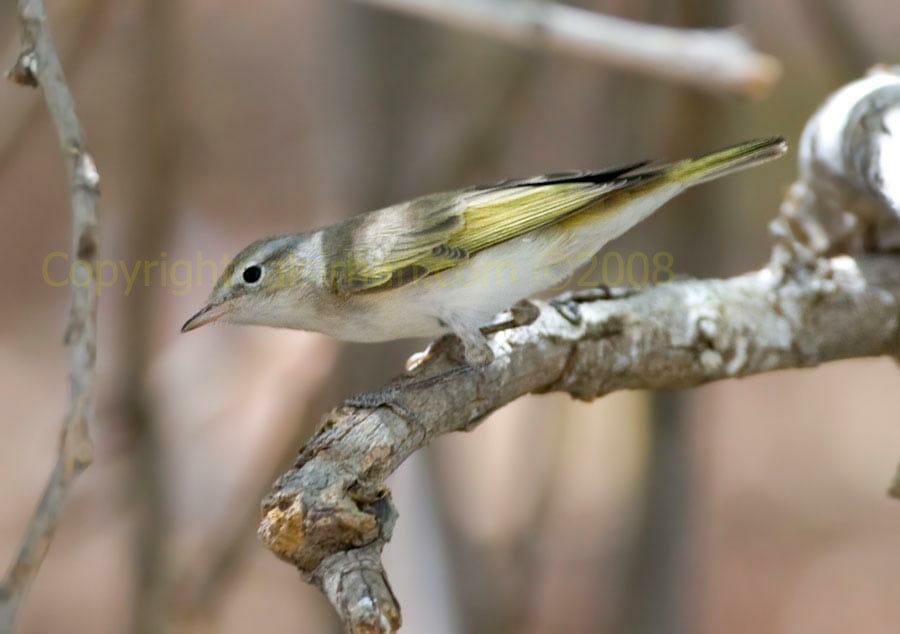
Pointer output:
206, 315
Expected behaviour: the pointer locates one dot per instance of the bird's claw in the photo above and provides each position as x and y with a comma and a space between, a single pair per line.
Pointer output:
522, 313
567, 305
568, 309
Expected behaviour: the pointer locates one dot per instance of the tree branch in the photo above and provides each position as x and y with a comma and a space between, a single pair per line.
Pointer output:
39, 65
718, 60
848, 195
331, 514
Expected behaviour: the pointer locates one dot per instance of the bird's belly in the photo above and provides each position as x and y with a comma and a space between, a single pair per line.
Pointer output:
495, 279
471, 293
383, 316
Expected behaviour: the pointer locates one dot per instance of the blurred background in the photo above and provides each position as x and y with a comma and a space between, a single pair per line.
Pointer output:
745, 506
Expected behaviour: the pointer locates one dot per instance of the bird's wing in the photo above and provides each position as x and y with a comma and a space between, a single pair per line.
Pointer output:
397, 245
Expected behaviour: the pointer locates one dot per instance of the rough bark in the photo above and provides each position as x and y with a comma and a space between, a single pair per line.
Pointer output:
331, 514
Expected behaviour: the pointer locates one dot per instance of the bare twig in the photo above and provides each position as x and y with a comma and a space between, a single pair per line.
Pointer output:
719, 60
77, 23
39, 65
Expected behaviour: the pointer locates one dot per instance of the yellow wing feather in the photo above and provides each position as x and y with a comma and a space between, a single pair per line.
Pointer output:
437, 232
399, 244
504, 215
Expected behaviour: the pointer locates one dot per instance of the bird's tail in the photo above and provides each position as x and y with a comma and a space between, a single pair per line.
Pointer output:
732, 159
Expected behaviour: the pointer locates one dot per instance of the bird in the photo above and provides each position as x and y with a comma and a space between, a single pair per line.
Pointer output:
450, 262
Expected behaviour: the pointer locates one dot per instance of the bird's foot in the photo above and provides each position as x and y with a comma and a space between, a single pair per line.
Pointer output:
476, 351
470, 347
567, 304
523, 313
444, 345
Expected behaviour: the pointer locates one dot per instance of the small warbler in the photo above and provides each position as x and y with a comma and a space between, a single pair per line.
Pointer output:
450, 262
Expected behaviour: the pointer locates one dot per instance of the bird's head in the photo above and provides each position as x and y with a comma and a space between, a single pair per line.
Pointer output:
261, 285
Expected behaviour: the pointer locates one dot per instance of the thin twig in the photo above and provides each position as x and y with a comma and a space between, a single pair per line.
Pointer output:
718, 60
39, 65
77, 23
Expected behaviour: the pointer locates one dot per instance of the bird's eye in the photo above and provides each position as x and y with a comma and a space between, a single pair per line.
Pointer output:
252, 274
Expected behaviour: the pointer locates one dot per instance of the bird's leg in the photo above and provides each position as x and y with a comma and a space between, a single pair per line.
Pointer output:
476, 350
523, 313
476, 353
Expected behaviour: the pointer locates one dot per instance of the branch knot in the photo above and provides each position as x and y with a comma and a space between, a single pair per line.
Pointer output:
25, 71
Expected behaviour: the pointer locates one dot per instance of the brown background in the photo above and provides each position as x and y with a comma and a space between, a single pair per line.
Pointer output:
747, 506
